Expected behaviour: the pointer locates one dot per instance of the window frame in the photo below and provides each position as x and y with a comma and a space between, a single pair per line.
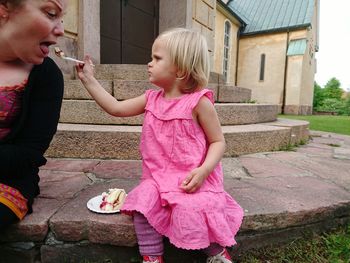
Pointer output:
226, 57
262, 67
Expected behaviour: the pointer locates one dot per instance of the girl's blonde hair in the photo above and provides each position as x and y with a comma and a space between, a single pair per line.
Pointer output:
188, 51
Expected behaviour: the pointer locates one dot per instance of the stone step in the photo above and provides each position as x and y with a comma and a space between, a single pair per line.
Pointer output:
121, 71
121, 142
125, 89
88, 112
284, 194
136, 72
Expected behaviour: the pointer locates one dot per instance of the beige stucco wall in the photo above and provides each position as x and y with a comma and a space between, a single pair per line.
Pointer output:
203, 20
68, 43
70, 20
196, 14
270, 90
295, 74
221, 18
173, 13
301, 71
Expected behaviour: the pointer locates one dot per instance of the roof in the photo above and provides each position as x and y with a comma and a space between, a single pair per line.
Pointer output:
273, 15
223, 4
297, 47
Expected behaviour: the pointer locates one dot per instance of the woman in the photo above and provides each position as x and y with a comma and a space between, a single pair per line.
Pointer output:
31, 91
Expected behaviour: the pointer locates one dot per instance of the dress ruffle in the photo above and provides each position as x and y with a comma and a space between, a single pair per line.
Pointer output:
182, 217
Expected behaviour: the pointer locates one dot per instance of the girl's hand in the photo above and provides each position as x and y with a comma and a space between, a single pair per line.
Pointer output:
85, 71
194, 180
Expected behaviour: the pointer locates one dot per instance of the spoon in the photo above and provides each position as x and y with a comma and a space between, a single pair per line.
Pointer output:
61, 54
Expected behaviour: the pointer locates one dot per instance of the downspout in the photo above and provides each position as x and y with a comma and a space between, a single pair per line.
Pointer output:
237, 53
285, 77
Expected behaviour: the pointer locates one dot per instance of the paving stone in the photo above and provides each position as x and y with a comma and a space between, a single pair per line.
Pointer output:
74, 222
13, 254
111, 169
330, 141
33, 227
342, 154
88, 253
288, 156
60, 184
233, 168
266, 167
279, 202
334, 170
316, 150
70, 165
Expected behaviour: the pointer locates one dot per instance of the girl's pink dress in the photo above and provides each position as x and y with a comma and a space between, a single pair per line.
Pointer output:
173, 144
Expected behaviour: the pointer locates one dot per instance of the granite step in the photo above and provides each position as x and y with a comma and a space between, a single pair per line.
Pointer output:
136, 72
279, 192
121, 142
88, 112
125, 89
121, 71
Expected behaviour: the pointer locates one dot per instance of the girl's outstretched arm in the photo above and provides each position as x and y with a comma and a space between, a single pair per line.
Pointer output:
106, 101
207, 118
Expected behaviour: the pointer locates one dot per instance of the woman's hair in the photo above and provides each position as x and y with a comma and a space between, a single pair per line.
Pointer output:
14, 3
188, 51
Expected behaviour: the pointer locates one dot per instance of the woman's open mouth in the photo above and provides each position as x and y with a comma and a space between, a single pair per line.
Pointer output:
44, 47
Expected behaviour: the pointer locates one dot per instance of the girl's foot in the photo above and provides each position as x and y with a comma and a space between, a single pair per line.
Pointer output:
222, 257
153, 259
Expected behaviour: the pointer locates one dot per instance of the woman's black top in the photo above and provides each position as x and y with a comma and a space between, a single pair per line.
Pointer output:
22, 151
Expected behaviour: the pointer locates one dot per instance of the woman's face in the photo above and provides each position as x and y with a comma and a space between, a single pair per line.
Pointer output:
32, 27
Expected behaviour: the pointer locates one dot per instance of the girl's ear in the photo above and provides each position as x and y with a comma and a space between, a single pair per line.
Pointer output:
179, 74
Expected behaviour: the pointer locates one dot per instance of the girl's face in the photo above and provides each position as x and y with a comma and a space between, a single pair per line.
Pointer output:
31, 28
161, 71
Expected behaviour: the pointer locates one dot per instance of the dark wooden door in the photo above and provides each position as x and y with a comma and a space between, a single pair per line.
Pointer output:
128, 28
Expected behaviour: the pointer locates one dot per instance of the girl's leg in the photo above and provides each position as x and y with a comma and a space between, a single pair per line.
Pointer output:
149, 240
217, 253
7, 217
213, 249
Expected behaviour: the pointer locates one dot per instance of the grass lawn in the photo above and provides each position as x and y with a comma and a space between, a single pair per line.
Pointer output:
333, 247
327, 123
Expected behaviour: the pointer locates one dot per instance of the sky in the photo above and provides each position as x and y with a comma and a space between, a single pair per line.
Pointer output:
333, 57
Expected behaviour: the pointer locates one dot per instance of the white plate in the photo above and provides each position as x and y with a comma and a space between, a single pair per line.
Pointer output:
94, 205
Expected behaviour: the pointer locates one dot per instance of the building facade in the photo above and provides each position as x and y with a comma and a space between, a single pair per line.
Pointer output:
273, 58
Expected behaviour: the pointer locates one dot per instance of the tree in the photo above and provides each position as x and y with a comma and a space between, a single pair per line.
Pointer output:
318, 96
346, 109
332, 89
331, 105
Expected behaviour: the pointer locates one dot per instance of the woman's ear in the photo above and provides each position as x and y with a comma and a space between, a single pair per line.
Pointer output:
4, 10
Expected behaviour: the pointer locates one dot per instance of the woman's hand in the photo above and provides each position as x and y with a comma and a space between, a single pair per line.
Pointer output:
85, 71
194, 180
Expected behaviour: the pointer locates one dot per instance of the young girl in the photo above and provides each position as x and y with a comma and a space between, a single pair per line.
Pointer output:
181, 194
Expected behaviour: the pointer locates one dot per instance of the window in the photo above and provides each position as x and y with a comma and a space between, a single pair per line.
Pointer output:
225, 64
262, 67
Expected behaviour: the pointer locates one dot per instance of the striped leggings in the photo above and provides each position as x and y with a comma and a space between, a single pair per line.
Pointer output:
151, 242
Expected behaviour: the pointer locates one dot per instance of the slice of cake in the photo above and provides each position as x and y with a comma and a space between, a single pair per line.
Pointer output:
59, 52
113, 199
